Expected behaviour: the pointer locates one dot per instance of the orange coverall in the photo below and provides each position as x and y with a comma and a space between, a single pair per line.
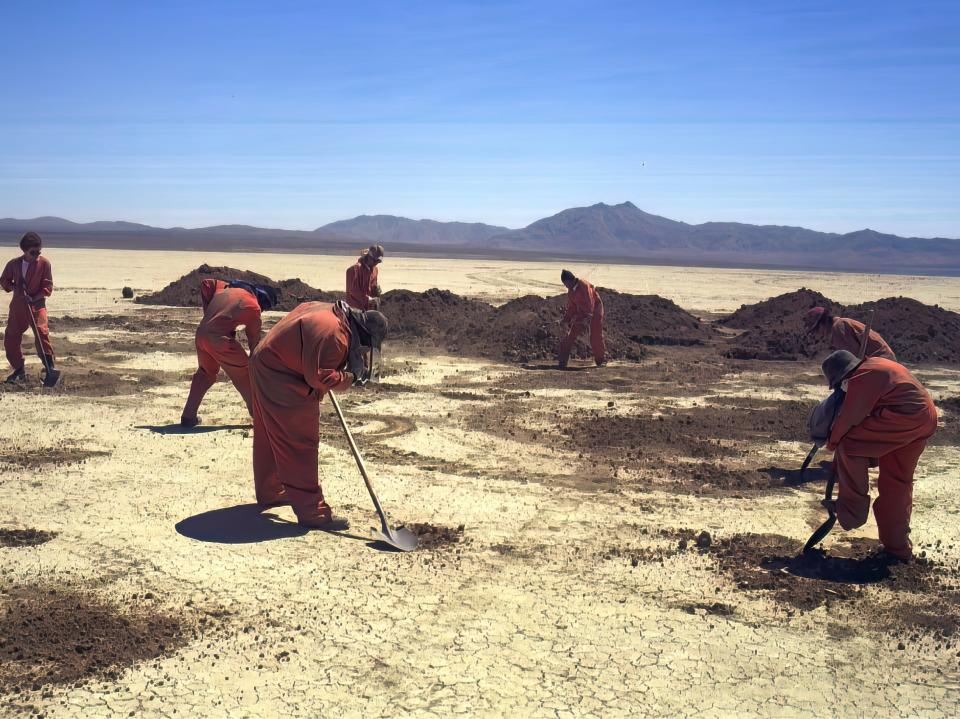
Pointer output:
224, 310
39, 281
584, 309
301, 358
846, 334
886, 415
361, 284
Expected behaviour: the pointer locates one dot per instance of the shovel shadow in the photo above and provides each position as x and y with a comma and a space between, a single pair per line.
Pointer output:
199, 429
792, 478
828, 568
242, 524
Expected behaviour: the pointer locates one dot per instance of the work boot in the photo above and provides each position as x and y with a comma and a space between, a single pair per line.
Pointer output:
274, 499
319, 517
19, 375
189, 422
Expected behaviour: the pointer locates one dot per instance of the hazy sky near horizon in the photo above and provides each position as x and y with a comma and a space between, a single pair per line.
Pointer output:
834, 116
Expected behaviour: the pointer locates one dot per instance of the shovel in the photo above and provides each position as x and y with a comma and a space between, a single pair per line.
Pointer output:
824, 529
400, 538
50, 375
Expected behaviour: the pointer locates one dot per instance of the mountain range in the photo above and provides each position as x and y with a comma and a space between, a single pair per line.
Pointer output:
620, 232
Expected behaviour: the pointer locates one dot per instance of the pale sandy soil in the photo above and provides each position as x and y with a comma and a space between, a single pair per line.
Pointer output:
529, 615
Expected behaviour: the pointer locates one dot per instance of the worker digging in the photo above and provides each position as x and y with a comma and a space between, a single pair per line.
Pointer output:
584, 312
315, 349
845, 334
227, 305
30, 278
363, 286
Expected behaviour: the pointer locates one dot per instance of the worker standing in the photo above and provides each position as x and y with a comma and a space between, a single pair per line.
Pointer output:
30, 278
887, 416
363, 288
226, 306
845, 334
584, 311
316, 348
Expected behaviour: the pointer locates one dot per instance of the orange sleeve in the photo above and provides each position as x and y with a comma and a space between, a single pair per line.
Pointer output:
864, 390
7, 278
250, 319
208, 288
583, 303
46, 279
319, 353
351, 270
372, 285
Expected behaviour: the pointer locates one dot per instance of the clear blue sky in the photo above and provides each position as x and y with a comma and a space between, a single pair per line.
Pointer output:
832, 115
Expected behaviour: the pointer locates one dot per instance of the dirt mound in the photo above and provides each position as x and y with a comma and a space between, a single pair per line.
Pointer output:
916, 332
185, 292
435, 316
24, 537
62, 454
62, 635
433, 536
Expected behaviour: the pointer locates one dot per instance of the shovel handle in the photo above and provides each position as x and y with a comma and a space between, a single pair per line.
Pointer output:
867, 327
359, 459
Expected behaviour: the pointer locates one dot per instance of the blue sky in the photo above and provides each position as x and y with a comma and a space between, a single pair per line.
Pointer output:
835, 116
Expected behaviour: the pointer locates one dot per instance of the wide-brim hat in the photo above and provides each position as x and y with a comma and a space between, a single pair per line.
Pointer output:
812, 319
838, 365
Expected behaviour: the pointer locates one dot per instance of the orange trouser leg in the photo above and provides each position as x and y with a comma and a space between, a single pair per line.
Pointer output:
42, 336
17, 323
596, 336
234, 361
286, 439
203, 379
895, 501
853, 492
567, 343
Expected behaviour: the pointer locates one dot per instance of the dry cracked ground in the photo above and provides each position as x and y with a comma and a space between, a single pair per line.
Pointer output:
613, 542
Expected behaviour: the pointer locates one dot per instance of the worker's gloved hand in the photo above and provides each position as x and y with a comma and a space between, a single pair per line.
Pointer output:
377, 291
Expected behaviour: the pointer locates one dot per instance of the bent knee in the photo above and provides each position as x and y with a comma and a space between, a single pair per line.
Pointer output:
853, 514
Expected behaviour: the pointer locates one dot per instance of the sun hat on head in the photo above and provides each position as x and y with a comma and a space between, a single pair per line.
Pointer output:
838, 365
567, 276
375, 252
812, 319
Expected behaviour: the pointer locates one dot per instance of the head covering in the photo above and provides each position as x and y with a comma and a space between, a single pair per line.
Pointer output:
374, 252
812, 319
838, 365
567, 276
30, 239
367, 330
265, 294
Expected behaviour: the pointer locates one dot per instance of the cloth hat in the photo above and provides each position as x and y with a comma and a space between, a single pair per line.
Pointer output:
375, 252
567, 276
838, 365
812, 319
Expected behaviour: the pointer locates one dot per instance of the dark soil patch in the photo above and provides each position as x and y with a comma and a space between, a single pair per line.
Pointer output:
116, 382
717, 609
433, 536
36, 458
65, 636
140, 323
24, 537
918, 333
926, 600
951, 404
664, 543
185, 292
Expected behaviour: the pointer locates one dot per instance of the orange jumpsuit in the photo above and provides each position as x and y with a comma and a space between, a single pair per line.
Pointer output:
846, 334
39, 281
584, 309
298, 361
886, 415
361, 285
224, 310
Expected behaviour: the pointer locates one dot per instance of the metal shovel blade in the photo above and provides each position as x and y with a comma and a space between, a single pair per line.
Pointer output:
399, 538
822, 531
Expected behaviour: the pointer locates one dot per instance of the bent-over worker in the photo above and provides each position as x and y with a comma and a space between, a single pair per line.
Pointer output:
886, 416
226, 306
30, 278
845, 334
584, 311
363, 288
316, 348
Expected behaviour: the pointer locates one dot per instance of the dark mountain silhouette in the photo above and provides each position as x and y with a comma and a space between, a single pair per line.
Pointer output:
612, 232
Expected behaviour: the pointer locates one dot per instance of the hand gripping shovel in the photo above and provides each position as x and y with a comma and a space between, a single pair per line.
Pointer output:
400, 538
824, 529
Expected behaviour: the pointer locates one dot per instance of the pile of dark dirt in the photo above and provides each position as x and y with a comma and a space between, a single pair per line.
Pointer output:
435, 317
951, 404
776, 564
24, 537
185, 292
666, 543
434, 536
918, 333
64, 636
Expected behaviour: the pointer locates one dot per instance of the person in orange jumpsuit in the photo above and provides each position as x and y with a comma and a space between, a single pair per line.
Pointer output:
363, 289
30, 278
887, 416
316, 348
226, 306
584, 310
845, 334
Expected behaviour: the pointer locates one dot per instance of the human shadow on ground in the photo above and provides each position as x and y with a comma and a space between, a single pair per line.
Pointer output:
829, 568
553, 367
199, 429
792, 478
242, 524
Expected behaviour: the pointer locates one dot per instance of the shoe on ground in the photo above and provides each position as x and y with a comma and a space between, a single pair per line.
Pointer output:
274, 499
320, 517
189, 421
18, 376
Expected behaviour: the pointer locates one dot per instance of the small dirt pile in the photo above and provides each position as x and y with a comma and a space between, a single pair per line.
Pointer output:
24, 537
918, 333
438, 317
435, 536
185, 292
